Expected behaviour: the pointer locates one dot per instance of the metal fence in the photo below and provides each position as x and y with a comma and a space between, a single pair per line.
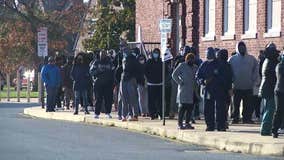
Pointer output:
145, 47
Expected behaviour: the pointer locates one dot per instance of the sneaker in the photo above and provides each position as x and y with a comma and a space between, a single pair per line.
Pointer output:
248, 122
108, 116
189, 126
119, 118
135, 118
235, 121
221, 129
181, 127
209, 129
87, 112
75, 113
123, 119
97, 116
281, 131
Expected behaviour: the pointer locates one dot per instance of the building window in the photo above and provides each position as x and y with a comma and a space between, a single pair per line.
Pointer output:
250, 19
273, 18
229, 19
209, 20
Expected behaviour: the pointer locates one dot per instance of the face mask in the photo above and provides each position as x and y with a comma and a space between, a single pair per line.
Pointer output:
80, 60
141, 61
134, 54
190, 62
155, 55
210, 60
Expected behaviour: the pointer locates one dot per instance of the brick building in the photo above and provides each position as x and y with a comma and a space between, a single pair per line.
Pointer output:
216, 23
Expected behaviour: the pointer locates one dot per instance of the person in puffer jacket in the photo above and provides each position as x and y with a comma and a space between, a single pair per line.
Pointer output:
213, 75
267, 86
102, 71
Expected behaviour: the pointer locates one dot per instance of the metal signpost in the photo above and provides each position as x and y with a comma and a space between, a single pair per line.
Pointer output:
165, 28
42, 51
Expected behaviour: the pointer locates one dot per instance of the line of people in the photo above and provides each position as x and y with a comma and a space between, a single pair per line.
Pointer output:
132, 82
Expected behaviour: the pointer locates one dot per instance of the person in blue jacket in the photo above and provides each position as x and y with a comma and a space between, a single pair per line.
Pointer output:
52, 79
211, 75
81, 77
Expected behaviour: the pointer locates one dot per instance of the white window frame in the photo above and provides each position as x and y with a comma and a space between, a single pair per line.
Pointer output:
273, 18
250, 19
229, 10
209, 20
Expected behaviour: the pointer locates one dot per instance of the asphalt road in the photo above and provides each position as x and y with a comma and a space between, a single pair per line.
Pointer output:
25, 138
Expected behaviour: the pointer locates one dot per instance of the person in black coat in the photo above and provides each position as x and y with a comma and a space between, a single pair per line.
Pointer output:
128, 86
102, 72
142, 90
227, 79
153, 72
80, 75
279, 98
68, 83
267, 86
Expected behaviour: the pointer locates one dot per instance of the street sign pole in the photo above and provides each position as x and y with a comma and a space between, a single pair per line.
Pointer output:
163, 94
42, 51
165, 28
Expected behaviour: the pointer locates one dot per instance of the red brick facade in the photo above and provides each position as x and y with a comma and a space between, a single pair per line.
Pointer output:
150, 11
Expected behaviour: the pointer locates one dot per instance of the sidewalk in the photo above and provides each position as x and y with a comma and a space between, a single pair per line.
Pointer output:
239, 138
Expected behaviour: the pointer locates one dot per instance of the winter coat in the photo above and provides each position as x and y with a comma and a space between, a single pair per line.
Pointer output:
224, 76
50, 75
245, 71
184, 76
130, 68
67, 82
81, 77
153, 71
279, 87
208, 72
268, 80
102, 72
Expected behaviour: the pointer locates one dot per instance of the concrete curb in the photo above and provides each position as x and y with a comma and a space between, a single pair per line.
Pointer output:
214, 140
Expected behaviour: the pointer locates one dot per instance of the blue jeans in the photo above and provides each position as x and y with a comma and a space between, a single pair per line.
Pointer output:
129, 97
51, 98
78, 95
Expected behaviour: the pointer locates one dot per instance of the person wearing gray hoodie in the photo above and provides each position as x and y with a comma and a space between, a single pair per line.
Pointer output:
245, 74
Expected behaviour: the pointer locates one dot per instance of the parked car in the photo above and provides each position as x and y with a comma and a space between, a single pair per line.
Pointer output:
23, 84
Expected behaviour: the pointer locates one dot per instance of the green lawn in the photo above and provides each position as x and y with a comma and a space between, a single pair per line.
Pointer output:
13, 93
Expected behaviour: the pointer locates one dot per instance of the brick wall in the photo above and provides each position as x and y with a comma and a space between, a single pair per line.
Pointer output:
148, 13
254, 45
